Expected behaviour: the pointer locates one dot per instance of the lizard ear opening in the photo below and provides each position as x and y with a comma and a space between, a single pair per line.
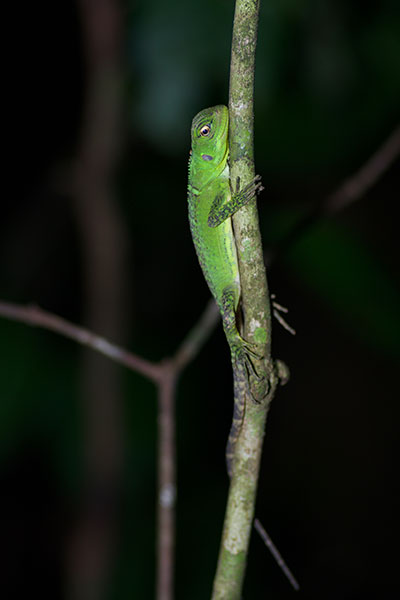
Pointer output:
207, 157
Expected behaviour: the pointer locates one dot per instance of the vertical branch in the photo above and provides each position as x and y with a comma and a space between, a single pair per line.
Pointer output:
253, 282
103, 242
166, 483
239, 515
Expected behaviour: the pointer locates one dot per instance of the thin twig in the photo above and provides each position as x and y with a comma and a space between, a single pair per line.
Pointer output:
35, 316
277, 309
282, 321
276, 554
197, 336
278, 306
359, 183
348, 192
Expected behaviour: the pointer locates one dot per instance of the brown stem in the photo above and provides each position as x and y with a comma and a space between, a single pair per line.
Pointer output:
166, 483
37, 317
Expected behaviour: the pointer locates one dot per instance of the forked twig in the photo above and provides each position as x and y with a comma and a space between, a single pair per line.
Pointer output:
277, 310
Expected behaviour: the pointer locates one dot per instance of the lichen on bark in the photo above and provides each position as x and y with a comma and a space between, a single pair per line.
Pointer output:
239, 515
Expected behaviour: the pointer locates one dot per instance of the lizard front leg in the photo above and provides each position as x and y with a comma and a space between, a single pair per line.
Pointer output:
218, 214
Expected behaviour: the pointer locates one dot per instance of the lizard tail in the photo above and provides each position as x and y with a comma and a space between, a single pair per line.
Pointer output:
240, 385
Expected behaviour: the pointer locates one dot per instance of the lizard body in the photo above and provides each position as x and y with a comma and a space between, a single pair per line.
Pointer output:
211, 205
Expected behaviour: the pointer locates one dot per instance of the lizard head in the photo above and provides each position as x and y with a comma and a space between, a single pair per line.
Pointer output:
210, 134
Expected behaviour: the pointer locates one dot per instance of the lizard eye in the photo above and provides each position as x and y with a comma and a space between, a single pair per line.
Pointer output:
205, 130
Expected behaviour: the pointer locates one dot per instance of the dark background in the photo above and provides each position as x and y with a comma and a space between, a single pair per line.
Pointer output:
327, 95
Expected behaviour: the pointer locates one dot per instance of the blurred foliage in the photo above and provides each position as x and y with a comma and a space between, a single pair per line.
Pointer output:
327, 94
350, 280
333, 261
327, 70
34, 404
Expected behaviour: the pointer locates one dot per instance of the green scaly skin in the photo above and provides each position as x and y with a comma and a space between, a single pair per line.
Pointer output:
211, 205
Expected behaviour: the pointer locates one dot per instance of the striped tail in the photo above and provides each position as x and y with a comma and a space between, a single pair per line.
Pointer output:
240, 386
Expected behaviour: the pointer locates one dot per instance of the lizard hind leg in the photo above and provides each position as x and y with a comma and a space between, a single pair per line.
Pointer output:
241, 351
243, 368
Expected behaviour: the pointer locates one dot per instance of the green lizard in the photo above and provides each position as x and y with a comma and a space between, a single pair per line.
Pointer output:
211, 204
